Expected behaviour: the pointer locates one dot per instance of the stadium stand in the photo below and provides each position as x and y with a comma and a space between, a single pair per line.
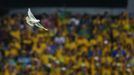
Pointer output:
74, 45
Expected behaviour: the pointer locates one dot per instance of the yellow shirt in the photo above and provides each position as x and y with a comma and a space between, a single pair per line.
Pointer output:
66, 59
13, 52
105, 50
71, 45
87, 64
100, 38
84, 49
129, 41
115, 33
73, 58
106, 71
96, 21
17, 45
34, 39
6, 72
27, 41
109, 59
39, 49
40, 35
93, 42
44, 59
59, 53
39, 73
15, 34
56, 71
82, 41
93, 69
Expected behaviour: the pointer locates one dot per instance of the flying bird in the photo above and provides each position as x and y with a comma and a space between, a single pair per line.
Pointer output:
32, 21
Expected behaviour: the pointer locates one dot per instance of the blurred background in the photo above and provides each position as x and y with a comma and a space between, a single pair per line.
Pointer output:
85, 37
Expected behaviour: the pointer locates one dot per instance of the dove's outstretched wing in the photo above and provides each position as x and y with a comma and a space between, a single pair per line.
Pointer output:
40, 26
30, 14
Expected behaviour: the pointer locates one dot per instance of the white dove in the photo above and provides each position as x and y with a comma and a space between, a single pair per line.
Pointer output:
32, 21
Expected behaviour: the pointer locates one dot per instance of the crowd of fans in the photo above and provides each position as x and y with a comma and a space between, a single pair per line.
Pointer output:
76, 44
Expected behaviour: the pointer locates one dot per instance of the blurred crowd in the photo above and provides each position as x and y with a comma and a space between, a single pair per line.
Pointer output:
75, 44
